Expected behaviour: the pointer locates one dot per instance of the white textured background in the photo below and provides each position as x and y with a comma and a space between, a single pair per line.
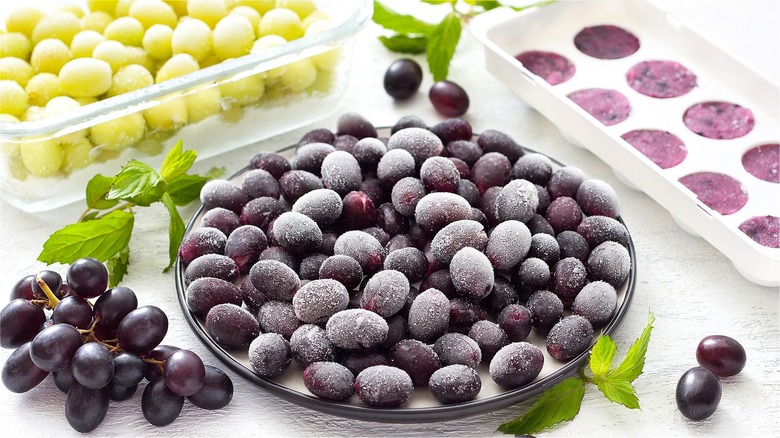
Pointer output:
691, 288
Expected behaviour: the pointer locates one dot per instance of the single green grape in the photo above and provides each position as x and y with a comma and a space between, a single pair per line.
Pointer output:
139, 55
85, 77
179, 6
204, 102
60, 25
84, 43
32, 113
42, 87
157, 41
244, 91
71, 9
78, 155
282, 22
97, 21
49, 55
209, 11
261, 6
13, 98
330, 59
107, 6
250, 13
233, 37
15, 69
23, 20
15, 44
122, 8
151, 12
267, 42
112, 52
168, 115
128, 78
303, 8
179, 64
126, 30
192, 36
64, 105
118, 133
42, 158
300, 75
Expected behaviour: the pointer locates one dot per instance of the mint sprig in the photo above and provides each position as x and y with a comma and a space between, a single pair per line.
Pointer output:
437, 40
563, 401
104, 229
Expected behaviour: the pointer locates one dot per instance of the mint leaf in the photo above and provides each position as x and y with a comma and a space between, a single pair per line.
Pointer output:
176, 163
560, 403
619, 391
117, 266
601, 356
405, 44
99, 238
440, 2
175, 230
631, 366
138, 183
186, 188
401, 23
97, 189
443, 40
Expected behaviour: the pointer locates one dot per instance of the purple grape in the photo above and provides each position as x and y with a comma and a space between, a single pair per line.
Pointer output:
357, 361
319, 135
159, 353
201, 241
280, 254
346, 142
531, 275
364, 248
455, 384
546, 310
489, 336
453, 129
308, 157
501, 295
310, 266
269, 355
439, 174
538, 225
343, 269
472, 274
569, 337
610, 262
297, 233
516, 364
544, 200
721, 354
436, 210
487, 205
309, 343
368, 152
449, 98
466, 150
316, 301
258, 183
508, 244
597, 198
212, 265
20, 321
409, 121
93, 365
464, 314
341, 172
395, 165
159, 404
382, 236
73, 310
596, 302
231, 326
274, 279
469, 191
204, 293
457, 348
129, 369
572, 244
491, 140
113, 305
406, 194
329, 380
142, 329
698, 393
491, 170
429, 315
420, 143
385, 293
565, 182
515, 320
440, 280
390, 220
86, 408
545, 247
563, 214
216, 392
568, 278
261, 212
356, 329
403, 78
272, 162
63, 379
518, 200
244, 246
534, 167
357, 211
278, 317
416, 358
222, 193
295, 183
397, 330
410, 261
20, 374
356, 125
53, 348
384, 386
87, 277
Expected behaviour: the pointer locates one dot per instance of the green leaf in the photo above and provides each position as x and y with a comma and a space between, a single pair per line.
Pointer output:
619, 391
405, 44
401, 23
488, 4
602, 355
186, 188
631, 366
100, 238
138, 183
443, 41
532, 5
97, 189
177, 162
560, 403
117, 266
440, 2
175, 231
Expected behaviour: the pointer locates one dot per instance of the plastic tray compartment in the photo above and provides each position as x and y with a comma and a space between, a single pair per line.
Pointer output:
720, 77
234, 124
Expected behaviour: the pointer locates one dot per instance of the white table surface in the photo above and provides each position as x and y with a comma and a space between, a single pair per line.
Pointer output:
692, 289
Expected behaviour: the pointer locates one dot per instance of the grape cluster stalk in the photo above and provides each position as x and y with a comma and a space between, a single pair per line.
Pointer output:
102, 350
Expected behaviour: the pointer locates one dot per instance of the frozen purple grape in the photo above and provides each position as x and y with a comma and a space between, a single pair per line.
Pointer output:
599, 229
508, 244
466, 150
429, 315
357, 211
309, 156
550, 66
545, 247
390, 220
278, 317
295, 183
610, 262
362, 247
309, 343
516, 364
275, 279
395, 165
546, 310
204, 293
406, 193
596, 197
316, 301
222, 219
533, 167
436, 210
323, 206
200, 241
464, 314
572, 244
472, 274
231, 326
490, 170
568, 338
452, 129
260, 212
297, 233
489, 336
259, 182
329, 380
385, 293
244, 246
416, 358
269, 355
252, 297
501, 295
397, 330
358, 360
455, 384
341, 172
569, 276
455, 236
310, 266
531, 275
596, 302
458, 348
222, 193
212, 265
439, 174
368, 152
343, 269
517, 200
280, 255
564, 213
410, 262
420, 143
515, 320
356, 329
356, 125
384, 386
272, 162
492, 141
318, 135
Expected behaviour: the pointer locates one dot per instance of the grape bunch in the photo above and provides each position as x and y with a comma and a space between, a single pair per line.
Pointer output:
376, 264
100, 351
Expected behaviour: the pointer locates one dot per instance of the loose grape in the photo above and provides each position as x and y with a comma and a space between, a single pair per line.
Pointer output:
269, 354
416, 358
403, 78
13, 98
128, 78
384, 386
233, 37
207, 10
15, 69
96, 20
127, 30
721, 354
119, 133
169, 115
23, 20
698, 393
157, 41
449, 98
329, 380
43, 157
244, 91
49, 55
112, 52
85, 77
455, 384
299, 75
178, 65
282, 22
193, 37
516, 364
231, 326
569, 337
159, 404
151, 12
60, 25
267, 42
216, 392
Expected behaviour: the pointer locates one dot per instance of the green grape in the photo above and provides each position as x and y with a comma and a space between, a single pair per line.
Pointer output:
85, 77
233, 37
15, 69
268, 42
117, 134
245, 90
192, 36
72, 9
178, 65
179, 6
97, 21
157, 41
327, 60
83, 101
250, 13
112, 52
282, 22
122, 8
33, 112
126, 30
42, 87
128, 78
84, 43
139, 55
23, 20
43, 157
78, 155
209, 11
15, 44
315, 16
49, 55
13, 98
60, 25
203, 103
16, 166
64, 105
168, 115
151, 12
303, 8
300, 75
261, 6
107, 6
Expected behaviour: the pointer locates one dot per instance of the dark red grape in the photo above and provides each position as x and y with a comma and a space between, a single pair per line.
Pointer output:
449, 98
491, 170
390, 220
63, 379
93, 365
534, 167
222, 219
216, 392
508, 244
274, 279
329, 380
23, 288
420, 143
20, 321
429, 315
231, 326
406, 193
384, 386
261, 212
343, 269
545, 247
319, 135
356, 329
87, 277
280, 254
721, 354
518, 200
201, 241
454, 129
394, 166
354, 124
572, 244
568, 278
357, 211
439, 174
364, 248
469, 191
385, 292
341, 172
53, 348
472, 274
597, 302
159, 404
538, 224
487, 205
272, 162
409, 121
113, 305
309, 157
316, 301
310, 266
436, 210
159, 353
569, 337
309, 343
368, 152
269, 354
610, 262
596, 197
410, 261
346, 142
515, 320
546, 310
698, 393
184, 373
489, 336
295, 183
491, 140
244, 246
206, 292
20, 374
517, 364
455, 384
531, 275
258, 183
466, 150
212, 265
457, 348
86, 408
142, 329
397, 330
129, 369
416, 358
382, 236
357, 361
278, 317
52, 279
565, 182
563, 214
297, 233
222, 193
403, 78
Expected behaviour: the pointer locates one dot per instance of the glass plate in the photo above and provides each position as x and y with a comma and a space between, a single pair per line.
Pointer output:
422, 407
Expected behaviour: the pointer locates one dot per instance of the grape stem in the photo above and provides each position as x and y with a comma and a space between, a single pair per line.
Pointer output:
123, 206
53, 300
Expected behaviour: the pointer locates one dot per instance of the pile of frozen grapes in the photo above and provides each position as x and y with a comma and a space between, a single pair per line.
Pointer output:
100, 351
52, 64
382, 264
699, 390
